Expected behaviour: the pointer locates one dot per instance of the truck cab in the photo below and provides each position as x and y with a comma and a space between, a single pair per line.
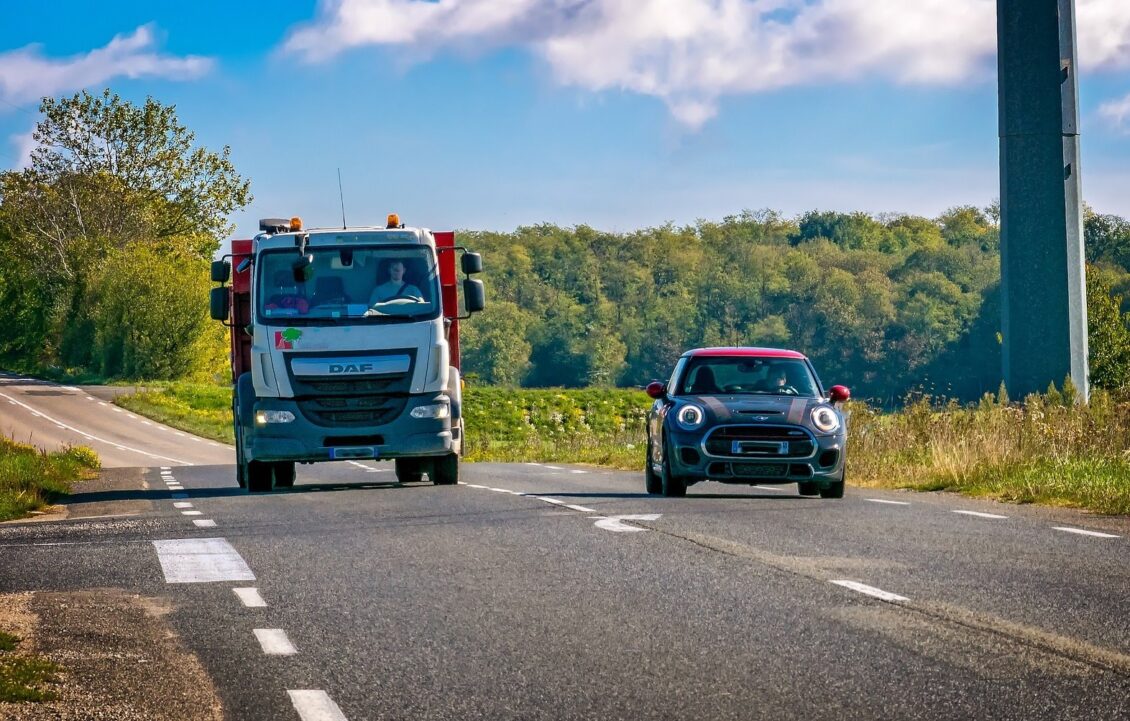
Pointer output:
345, 347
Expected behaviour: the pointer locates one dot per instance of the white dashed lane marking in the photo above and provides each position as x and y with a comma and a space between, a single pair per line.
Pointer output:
204, 523
201, 560
274, 642
314, 705
250, 597
978, 514
892, 503
872, 591
182, 504
1085, 532
192, 513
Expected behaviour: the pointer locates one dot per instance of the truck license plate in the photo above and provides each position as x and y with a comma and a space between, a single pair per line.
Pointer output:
353, 452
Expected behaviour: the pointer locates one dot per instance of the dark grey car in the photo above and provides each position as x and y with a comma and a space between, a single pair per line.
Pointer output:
746, 415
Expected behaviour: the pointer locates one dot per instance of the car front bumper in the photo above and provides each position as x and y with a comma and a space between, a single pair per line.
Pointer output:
689, 460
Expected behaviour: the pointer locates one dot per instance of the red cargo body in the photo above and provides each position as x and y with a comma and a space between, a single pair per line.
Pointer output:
240, 290
445, 249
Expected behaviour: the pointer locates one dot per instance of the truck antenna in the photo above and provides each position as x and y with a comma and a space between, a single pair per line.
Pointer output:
341, 195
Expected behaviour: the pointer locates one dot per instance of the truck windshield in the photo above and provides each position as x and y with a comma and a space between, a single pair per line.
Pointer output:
377, 284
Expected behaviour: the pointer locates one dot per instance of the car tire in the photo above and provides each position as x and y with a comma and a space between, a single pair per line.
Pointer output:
284, 474
671, 485
444, 470
653, 484
260, 476
835, 490
409, 470
808, 488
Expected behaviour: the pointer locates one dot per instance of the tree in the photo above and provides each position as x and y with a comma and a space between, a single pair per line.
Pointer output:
1108, 337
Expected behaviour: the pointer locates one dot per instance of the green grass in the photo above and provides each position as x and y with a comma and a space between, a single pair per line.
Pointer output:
31, 479
22, 677
1043, 451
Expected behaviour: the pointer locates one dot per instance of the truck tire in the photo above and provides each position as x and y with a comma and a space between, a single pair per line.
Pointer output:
409, 470
260, 476
284, 474
445, 470
240, 470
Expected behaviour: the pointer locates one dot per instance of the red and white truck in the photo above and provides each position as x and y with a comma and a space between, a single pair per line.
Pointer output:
345, 346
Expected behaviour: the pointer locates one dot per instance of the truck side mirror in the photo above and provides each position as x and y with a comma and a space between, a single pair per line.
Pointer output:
219, 303
474, 295
301, 267
472, 263
221, 271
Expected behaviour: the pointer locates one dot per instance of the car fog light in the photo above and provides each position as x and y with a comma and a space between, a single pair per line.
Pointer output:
434, 410
265, 417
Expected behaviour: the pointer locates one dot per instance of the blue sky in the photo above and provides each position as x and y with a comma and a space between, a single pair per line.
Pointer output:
487, 114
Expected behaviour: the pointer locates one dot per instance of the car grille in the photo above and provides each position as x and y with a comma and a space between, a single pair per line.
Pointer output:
720, 441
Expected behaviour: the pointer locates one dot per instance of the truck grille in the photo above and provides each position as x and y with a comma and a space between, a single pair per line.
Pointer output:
352, 411
720, 441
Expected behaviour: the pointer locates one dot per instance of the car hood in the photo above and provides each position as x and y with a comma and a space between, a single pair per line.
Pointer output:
756, 409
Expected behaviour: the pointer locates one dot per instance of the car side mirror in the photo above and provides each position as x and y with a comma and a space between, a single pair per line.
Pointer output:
221, 271
657, 390
839, 394
218, 302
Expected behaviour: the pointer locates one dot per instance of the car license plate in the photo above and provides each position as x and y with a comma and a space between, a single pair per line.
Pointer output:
761, 470
764, 448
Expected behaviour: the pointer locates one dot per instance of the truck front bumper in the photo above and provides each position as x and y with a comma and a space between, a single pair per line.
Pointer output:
304, 441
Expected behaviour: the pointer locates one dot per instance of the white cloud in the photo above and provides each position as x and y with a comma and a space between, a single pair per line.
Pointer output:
26, 75
1117, 112
691, 53
23, 143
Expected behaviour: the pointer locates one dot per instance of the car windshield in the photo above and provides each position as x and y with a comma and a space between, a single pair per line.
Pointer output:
386, 283
748, 375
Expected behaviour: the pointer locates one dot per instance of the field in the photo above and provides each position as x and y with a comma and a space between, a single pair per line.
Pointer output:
1047, 450
30, 479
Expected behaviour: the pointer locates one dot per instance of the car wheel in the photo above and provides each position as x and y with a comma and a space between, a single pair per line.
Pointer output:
651, 480
409, 470
836, 490
260, 476
284, 474
808, 488
672, 486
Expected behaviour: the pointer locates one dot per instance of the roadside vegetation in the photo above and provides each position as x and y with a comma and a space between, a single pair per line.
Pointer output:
31, 479
23, 677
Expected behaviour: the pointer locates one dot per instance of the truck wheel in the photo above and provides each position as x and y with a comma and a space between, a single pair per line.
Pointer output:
445, 470
284, 474
409, 470
259, 476
240, 470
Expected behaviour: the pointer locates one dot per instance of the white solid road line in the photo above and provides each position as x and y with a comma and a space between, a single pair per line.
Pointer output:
555, 468
577, 471
872, 591
1084, 532
204, 523
96, 438
274, 642
250, 597
315, 706
978, 514
582, 509
893, 503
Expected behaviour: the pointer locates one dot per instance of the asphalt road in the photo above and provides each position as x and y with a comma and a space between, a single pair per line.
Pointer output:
525, 593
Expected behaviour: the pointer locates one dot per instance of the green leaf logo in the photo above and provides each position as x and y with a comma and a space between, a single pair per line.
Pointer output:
290, 335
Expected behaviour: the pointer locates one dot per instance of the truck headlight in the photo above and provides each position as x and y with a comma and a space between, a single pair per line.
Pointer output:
432, 410
264, 417
825, 419
690, 417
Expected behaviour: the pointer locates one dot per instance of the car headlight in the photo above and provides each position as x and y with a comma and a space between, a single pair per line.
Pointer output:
262, 418
432, 410
690, 417
825, 419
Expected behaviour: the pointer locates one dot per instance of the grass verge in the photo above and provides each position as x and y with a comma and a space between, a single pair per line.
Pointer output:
1046, 450
22, 676
30, 478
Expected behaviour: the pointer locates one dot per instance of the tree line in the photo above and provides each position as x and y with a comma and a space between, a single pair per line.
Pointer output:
106, 236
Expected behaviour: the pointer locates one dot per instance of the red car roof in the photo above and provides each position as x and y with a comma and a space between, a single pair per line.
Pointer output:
744, 352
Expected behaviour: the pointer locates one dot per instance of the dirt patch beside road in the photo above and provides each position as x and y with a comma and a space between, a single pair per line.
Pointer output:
120, 661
